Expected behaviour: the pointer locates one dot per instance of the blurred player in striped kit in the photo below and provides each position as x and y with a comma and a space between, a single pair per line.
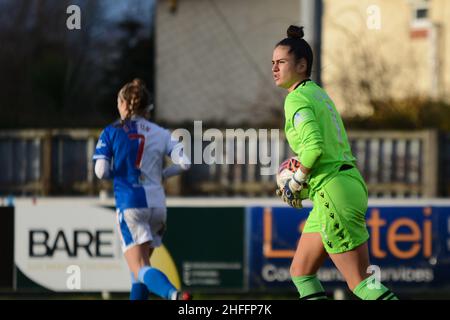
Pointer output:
336, 226
131, 151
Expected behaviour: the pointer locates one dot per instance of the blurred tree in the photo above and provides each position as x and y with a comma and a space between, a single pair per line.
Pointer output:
55, 77
380, 94
135, 59
405, 114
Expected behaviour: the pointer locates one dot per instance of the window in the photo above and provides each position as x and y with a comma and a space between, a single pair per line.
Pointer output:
420, 14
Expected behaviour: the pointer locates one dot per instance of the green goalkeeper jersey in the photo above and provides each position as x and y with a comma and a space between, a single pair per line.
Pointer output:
315, 132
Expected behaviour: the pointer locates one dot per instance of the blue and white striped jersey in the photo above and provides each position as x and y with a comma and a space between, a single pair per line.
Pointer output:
136, 150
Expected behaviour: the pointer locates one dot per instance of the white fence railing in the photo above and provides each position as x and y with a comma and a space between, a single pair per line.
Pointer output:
45, 162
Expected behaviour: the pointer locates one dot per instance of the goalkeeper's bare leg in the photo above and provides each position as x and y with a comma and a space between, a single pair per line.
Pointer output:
353, 265
308, 258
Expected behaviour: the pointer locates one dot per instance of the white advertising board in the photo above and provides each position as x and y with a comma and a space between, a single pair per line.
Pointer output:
66, 245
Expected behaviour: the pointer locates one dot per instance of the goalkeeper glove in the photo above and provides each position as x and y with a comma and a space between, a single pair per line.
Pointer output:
294, 202
292, 188
295, 184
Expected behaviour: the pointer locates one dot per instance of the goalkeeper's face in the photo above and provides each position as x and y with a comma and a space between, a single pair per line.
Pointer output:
286, 71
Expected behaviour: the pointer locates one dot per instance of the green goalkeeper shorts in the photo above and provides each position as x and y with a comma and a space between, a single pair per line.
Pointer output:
339, 210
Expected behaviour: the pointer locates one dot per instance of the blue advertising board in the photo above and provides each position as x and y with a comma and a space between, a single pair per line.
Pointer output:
410, 245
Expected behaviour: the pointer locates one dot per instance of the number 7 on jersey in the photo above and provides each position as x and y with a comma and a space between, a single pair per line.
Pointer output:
140, 152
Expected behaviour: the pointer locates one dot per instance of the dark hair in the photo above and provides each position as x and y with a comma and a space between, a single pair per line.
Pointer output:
298, 46
136, 96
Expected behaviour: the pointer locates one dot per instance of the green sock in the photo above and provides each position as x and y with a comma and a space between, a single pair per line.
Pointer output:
367, 290
309, 288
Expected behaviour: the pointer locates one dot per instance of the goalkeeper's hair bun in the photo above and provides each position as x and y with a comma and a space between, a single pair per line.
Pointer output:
298, 46
295, 32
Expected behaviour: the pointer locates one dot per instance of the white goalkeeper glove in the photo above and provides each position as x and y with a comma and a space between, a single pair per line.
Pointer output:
295, 184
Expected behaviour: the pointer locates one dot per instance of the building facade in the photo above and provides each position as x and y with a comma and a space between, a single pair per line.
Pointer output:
374, 49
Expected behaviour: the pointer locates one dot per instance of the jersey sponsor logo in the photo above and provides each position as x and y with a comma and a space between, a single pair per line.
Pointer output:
321, 96
335, 121
144, 127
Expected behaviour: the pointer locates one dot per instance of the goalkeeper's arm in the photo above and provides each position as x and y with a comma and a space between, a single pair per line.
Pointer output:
308, 129
298, 180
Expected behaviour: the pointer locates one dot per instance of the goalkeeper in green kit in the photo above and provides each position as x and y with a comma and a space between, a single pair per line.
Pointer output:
336, 226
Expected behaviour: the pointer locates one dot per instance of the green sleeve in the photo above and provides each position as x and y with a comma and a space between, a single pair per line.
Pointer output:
305, 124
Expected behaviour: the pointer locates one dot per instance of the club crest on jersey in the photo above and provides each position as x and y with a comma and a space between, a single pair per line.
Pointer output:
100, 144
